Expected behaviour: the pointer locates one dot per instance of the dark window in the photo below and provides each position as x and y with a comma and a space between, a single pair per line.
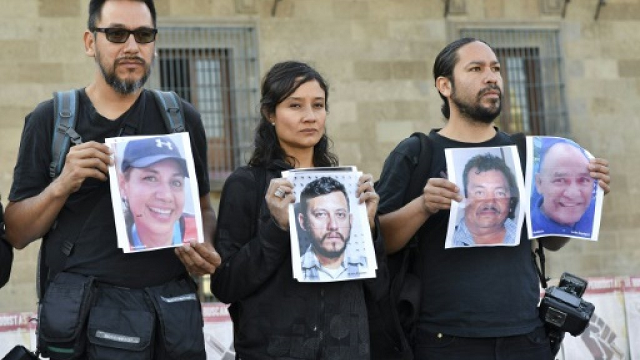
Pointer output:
522, 101
216, 70
203, 80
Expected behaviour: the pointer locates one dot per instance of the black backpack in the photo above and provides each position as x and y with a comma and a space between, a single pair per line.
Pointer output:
392, 319
65, 109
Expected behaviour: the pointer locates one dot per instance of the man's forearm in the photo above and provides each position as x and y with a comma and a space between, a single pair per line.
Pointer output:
30, 219
399, 226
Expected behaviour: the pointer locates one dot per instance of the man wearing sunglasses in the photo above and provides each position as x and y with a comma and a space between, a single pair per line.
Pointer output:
126, 294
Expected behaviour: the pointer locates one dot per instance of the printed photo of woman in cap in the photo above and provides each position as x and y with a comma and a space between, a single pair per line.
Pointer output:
152, 178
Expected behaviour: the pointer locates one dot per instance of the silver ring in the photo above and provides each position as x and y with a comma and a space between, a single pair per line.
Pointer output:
279, 193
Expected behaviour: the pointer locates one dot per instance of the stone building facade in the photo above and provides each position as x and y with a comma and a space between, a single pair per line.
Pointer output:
377, 56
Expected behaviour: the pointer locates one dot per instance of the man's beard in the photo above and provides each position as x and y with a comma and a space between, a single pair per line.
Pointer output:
124, 87
476, 111
331, 254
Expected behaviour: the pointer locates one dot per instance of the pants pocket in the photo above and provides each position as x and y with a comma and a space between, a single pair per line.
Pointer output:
120, 334
180, 319
63, 315
121, 325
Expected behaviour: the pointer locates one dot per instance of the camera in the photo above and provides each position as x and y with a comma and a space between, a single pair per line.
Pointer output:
562, 308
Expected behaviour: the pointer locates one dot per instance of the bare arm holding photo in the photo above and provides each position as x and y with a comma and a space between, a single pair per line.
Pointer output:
399, 226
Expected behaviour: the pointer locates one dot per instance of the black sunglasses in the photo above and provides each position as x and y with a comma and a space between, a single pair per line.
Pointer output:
120, 35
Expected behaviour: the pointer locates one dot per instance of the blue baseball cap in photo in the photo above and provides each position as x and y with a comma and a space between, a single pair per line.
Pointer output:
141, 153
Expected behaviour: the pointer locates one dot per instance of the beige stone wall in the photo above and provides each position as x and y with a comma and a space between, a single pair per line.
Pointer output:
377, 56
41, 51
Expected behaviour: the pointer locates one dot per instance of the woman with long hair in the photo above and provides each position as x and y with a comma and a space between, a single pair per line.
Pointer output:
274, 315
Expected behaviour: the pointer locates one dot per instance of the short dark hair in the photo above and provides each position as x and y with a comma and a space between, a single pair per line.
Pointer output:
486, 162
444, 64
318, 187
95, 11
282, 80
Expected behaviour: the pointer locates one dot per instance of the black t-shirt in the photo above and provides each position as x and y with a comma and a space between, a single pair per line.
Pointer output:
471, 292
87, 216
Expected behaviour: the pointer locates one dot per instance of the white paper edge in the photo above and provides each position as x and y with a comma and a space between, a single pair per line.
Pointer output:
359, 210
121, 231
597, 215
524, 201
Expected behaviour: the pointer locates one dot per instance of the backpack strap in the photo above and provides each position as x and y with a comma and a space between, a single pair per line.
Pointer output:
173, 113
42, 273
520, 140
65, 110
541, 268
405, 284
65, 113
417, 182
419, 176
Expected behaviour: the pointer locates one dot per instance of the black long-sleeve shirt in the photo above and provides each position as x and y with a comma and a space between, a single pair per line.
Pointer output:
274, 315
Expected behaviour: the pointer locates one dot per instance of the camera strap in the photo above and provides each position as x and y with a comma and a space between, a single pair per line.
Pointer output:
519, 139
540, 268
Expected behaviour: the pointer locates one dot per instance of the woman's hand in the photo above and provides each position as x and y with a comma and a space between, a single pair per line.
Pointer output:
279, 195
367, 194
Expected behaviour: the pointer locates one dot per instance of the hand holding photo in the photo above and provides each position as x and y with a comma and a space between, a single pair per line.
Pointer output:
491, 213
154, 192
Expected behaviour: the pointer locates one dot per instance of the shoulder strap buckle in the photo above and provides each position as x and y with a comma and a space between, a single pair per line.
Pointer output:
67, 247
172, 115
65, 113
74, 136
65, 107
